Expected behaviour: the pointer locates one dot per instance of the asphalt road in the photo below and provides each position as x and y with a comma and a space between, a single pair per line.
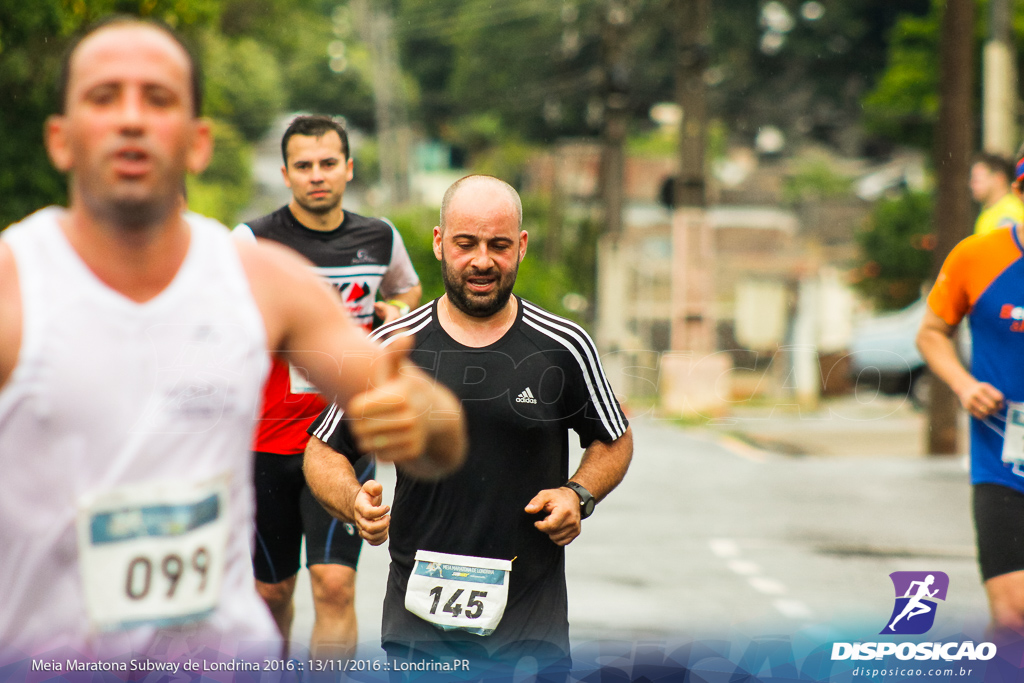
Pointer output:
709, 537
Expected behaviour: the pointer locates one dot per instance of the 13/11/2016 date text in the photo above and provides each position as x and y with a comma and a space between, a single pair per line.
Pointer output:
346, 665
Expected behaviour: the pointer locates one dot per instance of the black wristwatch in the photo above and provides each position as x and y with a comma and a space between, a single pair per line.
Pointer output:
587, 501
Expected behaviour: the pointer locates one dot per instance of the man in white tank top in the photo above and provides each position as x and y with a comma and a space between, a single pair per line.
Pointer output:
133, 345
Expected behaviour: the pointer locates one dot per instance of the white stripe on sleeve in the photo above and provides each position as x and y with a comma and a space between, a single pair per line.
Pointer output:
605, 408
589, 349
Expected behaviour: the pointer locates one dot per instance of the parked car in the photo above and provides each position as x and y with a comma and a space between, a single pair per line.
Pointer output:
884, 355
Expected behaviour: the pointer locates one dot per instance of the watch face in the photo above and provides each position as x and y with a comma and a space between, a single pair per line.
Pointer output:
587, 501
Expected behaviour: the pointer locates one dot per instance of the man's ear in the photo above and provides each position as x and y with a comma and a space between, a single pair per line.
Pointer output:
55, 136
437, 242
201, 148
524, 237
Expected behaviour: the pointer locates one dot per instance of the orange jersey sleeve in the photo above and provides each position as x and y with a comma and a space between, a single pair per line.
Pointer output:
968, 271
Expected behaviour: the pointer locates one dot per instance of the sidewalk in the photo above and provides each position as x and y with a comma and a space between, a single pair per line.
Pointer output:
884, 426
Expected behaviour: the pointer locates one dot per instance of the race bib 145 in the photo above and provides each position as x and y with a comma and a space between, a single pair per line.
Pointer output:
458, 591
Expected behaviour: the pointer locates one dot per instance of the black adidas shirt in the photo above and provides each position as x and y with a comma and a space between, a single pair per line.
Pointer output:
521, 396
359, 257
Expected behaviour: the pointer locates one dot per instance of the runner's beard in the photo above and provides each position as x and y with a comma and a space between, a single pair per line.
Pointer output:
133, 214
475, 305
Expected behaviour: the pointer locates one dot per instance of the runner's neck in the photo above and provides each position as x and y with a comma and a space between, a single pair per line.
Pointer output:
322, 222
476, 332
136, 262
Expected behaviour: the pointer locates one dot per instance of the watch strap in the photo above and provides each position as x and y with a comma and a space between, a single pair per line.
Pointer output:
587, 501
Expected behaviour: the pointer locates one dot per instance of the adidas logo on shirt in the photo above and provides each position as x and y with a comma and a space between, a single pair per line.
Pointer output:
526, 396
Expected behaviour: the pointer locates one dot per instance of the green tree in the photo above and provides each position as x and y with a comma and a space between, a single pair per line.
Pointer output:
244, 85
538, 68
896, 246
323, 64
33, 37
317, 82
260, 57
815, 180
903, 106
225, 187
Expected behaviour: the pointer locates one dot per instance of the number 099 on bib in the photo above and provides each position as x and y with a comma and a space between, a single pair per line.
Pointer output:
153, 554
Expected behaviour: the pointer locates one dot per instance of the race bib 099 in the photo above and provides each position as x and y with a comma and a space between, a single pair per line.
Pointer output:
458, 591
153, 553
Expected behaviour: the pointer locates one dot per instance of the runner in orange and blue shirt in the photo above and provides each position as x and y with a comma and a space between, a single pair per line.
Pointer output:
983, 279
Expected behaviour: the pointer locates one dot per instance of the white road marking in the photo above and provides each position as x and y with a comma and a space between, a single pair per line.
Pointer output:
743, 567
794, 609
763, 584
729, 550
724, 547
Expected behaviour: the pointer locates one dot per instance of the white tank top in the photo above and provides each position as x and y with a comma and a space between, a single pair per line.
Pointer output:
125, 467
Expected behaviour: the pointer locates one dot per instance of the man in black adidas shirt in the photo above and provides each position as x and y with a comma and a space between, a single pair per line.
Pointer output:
478, 564
360, 257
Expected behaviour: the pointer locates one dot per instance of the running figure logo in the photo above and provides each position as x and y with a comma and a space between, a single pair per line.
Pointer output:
916, 593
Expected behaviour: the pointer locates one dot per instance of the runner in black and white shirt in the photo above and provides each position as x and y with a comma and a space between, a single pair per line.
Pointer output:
525, 378
360, 257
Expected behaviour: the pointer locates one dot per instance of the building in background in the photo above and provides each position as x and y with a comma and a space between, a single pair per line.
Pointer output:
779, 273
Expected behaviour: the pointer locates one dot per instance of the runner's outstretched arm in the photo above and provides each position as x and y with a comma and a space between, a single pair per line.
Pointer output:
10, 313
935, 341
394, 410
602, 468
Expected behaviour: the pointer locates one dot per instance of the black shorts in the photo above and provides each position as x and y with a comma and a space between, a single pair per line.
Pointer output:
999, 524
285, 510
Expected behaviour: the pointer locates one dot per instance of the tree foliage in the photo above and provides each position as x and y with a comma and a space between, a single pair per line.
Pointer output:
33, 37
904, 105
312, 83
815, 180
780, 63
261, 58
225, 187
244, 84
543, 70
480, 74
896, 250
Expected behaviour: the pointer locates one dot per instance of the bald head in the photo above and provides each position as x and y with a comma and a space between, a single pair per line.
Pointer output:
466, 192
128, 133
480, 242
160, 33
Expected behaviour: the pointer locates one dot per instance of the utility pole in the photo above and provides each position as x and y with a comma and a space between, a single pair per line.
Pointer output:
614, 269
616, 116
692, 326
693, 376
953, 147
999, 87
377, 27
694, 17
